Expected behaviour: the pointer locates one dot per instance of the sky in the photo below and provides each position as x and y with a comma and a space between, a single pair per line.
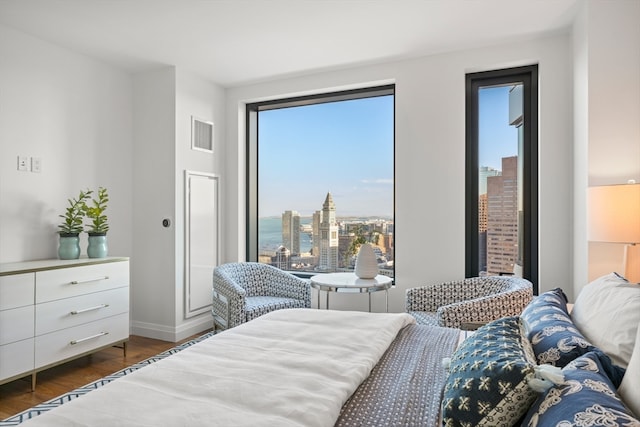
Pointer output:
346, 148
497, 139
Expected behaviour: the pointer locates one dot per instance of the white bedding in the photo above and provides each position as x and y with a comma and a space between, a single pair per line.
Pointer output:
287, 368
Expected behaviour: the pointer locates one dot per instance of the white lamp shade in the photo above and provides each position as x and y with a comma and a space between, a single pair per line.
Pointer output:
614, 213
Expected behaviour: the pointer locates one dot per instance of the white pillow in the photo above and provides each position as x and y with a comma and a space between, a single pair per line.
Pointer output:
607, 313
629, 390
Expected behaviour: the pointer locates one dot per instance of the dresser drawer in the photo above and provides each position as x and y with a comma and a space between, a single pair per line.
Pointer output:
16, 290
16, 358
16, 324
69, 312
67, 343
69, 282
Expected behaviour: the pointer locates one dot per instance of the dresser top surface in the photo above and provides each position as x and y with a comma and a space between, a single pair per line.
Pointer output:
52, 264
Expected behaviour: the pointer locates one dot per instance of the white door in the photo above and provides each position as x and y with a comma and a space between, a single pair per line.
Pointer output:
201, 222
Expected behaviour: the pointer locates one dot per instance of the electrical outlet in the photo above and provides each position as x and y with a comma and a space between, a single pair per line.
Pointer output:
23, 164
36, 164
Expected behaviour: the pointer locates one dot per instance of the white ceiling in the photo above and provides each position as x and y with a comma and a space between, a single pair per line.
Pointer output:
234, 42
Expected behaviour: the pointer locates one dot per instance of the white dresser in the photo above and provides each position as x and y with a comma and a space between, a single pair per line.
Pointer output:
52, 311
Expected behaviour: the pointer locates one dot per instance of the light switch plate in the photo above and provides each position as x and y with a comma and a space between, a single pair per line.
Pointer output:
23, 163
36, 164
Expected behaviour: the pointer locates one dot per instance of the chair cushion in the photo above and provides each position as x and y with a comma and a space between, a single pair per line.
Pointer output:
257, 306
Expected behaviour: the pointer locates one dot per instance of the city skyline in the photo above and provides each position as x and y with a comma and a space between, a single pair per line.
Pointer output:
329, 245
340, 217
291, 220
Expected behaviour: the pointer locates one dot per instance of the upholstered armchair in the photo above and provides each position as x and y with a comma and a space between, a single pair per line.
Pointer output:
243, 291
471, 301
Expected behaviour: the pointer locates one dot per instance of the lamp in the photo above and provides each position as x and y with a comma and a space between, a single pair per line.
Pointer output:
614, 216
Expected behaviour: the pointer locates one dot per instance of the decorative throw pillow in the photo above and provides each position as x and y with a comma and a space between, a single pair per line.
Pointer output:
629, 390
585, 398
488, 373
554, 337
607, 311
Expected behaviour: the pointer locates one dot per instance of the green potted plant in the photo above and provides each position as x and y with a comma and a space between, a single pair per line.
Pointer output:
99, 225
70, 229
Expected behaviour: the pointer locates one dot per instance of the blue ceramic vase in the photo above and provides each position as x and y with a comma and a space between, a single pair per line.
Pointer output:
97, 245
69, 247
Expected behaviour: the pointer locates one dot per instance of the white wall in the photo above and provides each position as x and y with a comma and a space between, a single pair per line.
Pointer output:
580, 147
607, 122
203, 99
153, 259
94, 125
430, 157
165, 100
614, 91
75, 114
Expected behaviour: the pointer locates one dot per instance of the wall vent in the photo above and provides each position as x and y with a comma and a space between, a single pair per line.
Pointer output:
201, 135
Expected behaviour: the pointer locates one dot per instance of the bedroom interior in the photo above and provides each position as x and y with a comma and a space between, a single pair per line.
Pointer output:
104, 95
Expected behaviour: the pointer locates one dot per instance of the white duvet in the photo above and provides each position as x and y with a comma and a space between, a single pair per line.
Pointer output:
287, 368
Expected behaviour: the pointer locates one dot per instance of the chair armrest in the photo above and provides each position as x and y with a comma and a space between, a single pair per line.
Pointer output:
229, 298
484, 309
220, 310
431, 297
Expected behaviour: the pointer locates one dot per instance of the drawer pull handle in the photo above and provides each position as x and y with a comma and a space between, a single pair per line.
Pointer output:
84, 310
98, 335
78, 282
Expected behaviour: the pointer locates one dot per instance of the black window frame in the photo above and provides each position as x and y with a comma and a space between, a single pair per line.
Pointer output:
252, 164
528, 75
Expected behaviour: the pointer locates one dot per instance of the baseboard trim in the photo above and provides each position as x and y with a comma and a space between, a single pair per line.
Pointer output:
172, 333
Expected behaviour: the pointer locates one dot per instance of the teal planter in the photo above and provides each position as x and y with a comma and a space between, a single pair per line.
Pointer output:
69, 247
97, 245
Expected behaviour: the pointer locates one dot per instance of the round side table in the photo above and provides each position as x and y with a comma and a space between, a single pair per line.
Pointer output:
349, 282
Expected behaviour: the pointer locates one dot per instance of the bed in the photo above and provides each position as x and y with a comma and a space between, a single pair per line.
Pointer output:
307, 367
296, 367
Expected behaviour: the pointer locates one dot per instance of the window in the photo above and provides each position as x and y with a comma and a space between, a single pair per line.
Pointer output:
502, 165
320, 174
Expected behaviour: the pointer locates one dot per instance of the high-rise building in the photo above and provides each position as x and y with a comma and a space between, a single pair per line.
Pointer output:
328, 236
315, 233
282, 258
485, 173
291, 231
502, 218
482, 231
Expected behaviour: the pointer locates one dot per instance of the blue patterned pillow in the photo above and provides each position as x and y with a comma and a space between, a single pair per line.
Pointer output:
488, 373
554, 337
585, 398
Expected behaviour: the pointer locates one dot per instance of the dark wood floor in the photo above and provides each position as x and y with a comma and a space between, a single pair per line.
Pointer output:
17, 396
